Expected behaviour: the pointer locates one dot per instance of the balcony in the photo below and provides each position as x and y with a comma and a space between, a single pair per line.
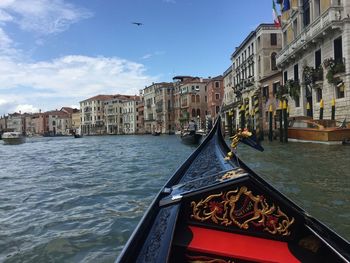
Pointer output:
329, 20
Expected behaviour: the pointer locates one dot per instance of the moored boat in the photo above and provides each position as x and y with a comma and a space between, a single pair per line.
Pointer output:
191, 138
156, 133
320, 131
216, 209
13, 138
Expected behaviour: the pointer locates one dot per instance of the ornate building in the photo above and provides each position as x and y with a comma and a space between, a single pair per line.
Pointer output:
315, 58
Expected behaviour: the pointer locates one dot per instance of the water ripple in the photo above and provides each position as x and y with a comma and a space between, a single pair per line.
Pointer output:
78, 200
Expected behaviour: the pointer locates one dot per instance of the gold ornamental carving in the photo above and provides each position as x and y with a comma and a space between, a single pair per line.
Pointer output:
244, 210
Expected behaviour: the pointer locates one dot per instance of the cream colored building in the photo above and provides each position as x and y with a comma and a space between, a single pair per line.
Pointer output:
129, 109
164, 96
251, 63
92, 114
151, 124
315, 33
76, 120
113, 109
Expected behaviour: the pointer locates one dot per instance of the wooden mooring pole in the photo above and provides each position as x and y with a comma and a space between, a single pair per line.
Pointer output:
285, 122
270, 123
280, 111
321, 109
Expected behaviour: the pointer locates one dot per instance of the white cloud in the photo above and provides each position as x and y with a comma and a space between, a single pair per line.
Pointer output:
68, 77
42, 16
150, 55
26, 108
29, 85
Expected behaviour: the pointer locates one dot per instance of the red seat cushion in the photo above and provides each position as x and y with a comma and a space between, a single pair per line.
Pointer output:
238, 246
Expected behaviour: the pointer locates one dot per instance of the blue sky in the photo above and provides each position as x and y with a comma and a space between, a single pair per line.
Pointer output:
55, 53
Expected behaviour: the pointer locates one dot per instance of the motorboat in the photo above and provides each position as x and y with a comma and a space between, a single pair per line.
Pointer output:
13, 138
306, 129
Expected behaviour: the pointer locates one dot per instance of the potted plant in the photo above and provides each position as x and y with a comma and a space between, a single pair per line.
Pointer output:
333, 67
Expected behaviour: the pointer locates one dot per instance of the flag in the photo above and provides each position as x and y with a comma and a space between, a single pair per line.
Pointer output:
275, 15
286, 5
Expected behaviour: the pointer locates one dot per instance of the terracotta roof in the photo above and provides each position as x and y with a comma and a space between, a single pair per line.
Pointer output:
99, 97
56, 112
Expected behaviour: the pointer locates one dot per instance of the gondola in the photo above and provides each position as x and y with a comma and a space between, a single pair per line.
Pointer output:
216, 209
191, 138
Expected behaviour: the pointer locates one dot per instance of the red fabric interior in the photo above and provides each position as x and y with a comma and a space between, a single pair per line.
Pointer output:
239, 246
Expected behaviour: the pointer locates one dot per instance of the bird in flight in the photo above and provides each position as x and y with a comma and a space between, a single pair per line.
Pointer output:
137, 23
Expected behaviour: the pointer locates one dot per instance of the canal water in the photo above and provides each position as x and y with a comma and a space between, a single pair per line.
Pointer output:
78, 200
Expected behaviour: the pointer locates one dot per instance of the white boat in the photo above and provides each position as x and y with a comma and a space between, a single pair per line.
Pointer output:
13, 138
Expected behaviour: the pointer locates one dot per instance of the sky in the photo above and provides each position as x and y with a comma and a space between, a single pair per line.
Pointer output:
55, 53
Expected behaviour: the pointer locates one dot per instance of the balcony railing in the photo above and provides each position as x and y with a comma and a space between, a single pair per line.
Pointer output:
315, 30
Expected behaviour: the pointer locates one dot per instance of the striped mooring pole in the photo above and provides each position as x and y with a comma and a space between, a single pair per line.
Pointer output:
333, 110
308, 110
285, 122
247, 116
270, 122
257, 119
321, 109
280, 110
242, 113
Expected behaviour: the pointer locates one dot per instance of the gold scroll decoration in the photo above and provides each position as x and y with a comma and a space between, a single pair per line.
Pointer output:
244, 210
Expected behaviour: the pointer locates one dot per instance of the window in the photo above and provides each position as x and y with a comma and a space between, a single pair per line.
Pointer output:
193, 98
273, 39
318, 61
197, 98
206, 99
266, 92
273, 61
274, 88
317, 7
318, 94
217, 96
295, 28
297, 102
296, 72
306, 12
198, 112
193, 113
217, 109
285, 77
339, 90
217, 84
338, 50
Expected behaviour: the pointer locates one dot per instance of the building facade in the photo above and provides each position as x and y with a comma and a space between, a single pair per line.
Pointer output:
164, 97
130, 114
92, 114
215, 94
269, 44
315, 58
113, 109
252, 62
191, 101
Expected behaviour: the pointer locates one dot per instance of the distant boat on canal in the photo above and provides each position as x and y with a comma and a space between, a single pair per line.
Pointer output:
191, 138
77, 133
13, 138
321, 131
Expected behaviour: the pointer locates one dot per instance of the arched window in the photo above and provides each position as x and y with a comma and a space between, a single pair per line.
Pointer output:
193, 113
193, 98
273, 61
198, 112
197, 98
